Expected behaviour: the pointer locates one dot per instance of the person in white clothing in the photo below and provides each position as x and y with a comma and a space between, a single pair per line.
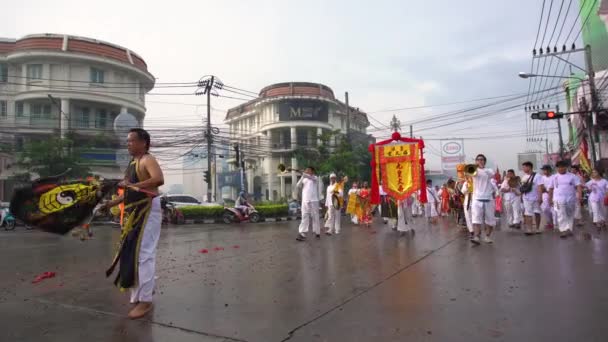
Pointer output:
416, 207
310, 204
547, 211
353, 191
597, 187
531, 190
512, 200
384, 205
404, 217
483, 205
564, 191
468, 202
430, 208
578, 212
333, 217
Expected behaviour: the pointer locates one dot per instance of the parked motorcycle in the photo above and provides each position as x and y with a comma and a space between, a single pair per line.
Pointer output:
8, 222
233, 215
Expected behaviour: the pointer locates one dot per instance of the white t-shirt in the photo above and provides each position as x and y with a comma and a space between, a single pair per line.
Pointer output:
483, 189
382, 192
547, 180
511, 195
431, 196
598, 189
310, 188
533, 195
564, 187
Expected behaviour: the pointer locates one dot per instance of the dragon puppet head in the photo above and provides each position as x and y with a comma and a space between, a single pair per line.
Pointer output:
58, 206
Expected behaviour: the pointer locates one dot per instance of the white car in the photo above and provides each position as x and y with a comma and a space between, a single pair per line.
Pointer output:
182, 200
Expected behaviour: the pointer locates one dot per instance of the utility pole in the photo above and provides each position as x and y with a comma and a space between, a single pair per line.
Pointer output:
396, 124
412, 131
206, 85
594, 102
347, 117
561, 139
209, 137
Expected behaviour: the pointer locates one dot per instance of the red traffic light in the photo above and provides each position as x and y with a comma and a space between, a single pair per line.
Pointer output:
546, 115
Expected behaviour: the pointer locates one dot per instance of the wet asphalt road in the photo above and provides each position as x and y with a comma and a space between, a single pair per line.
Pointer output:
256, 283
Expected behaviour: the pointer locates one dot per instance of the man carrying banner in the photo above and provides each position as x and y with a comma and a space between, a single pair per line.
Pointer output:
136, 255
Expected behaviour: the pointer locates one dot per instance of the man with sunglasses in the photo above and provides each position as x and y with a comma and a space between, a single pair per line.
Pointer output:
483, 205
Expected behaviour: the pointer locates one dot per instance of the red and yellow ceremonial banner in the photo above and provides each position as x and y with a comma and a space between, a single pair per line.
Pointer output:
398, 162
399, 166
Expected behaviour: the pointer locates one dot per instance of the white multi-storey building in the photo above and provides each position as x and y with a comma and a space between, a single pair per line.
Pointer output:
55, 84
284, 117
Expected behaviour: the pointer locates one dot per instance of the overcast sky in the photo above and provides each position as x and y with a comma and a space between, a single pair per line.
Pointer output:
387, 54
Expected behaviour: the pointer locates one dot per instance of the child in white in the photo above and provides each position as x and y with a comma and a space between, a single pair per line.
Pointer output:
333, 215
430, 208
565, 190
547, 211
512, 200
597, 186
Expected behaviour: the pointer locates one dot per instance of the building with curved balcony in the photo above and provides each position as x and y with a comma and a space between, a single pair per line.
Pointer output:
60, 84
285, 117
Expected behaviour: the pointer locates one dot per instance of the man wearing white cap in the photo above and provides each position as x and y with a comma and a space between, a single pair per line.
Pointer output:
333, 214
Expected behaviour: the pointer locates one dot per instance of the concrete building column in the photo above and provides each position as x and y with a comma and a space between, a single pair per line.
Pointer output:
64, 117
250, 176
294, 164
270, 176
319, 132
282, 180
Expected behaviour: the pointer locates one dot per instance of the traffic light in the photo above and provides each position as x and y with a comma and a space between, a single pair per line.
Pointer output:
548, 115
207, 176
602, 120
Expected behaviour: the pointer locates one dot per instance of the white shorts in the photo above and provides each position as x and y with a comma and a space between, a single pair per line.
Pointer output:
481, 210
531, 208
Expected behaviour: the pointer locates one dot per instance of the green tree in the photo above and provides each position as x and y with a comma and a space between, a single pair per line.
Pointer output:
49, 157
336, 154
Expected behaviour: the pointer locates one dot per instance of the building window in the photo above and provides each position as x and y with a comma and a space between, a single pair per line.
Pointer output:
3, 73
96, 75
35, 111
82, 117
19, 109
101, 118
3, 113
34, 71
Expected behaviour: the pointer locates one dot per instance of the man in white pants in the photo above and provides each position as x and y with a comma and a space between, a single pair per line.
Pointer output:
136, 256
310, 204
565, 190
404, 217
430, 208
597, 187
333, 214
483, 205
547, 211
512, 201
531, 189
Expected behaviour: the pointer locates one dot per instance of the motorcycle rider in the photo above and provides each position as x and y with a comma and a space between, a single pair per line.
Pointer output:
241, 204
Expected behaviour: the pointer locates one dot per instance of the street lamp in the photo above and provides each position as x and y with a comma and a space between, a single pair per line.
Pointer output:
530, 75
